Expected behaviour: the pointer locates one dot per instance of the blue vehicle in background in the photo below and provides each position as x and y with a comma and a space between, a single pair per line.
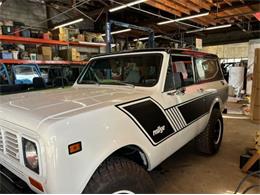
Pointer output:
24, 74
21, 77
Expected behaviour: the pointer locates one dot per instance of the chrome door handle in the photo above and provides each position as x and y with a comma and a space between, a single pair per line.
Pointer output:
201, 90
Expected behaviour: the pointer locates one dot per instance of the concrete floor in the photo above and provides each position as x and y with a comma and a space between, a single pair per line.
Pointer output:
188, 172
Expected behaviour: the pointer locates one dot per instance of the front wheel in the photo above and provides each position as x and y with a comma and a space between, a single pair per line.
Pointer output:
209, 141
120, 176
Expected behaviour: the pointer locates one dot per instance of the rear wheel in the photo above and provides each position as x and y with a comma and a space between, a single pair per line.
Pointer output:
120, 176
209, 141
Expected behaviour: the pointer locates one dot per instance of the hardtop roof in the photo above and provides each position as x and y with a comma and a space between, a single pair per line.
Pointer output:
190, 52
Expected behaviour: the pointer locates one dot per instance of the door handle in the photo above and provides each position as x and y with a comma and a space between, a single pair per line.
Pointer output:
201, 90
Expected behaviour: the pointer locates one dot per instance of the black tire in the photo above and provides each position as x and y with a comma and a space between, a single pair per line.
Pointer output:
209, 141
119, 174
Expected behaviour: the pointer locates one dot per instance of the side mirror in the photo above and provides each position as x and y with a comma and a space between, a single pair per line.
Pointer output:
180, 91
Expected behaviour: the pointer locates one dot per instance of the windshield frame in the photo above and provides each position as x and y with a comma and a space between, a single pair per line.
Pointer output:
88, 66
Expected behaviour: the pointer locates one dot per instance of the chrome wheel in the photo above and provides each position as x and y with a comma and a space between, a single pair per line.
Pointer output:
217, 131
123, 192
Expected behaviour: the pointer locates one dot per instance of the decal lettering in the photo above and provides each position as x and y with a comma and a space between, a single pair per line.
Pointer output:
159, 130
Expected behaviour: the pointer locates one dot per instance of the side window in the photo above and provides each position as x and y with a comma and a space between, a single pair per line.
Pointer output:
179, 73
206, 69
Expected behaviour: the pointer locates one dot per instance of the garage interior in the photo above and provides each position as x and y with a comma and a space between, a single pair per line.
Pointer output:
56, 38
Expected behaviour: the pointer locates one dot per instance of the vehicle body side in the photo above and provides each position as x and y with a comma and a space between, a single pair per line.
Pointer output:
105, 130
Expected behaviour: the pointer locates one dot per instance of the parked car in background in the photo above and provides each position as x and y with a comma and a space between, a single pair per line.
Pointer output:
24, 73
125, 114
17, 78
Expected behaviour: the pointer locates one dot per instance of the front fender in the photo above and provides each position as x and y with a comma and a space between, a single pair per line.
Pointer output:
101, 132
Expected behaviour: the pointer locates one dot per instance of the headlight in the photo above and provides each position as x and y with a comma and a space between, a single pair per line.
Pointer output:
30, 155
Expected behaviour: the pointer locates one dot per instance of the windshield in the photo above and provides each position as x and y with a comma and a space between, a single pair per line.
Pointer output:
136, 70
22, 70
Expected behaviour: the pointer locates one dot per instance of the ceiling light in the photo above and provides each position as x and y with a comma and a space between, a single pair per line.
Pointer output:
69, 23
217, 27
1, 3
119, 31
126, 5
183, 18
196, 30
209, 28
146, 38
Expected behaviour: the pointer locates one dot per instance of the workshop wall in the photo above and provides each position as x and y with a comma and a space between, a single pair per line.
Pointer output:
24, 11
237, 50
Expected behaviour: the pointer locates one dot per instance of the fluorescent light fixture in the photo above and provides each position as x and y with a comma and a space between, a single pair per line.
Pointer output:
196, 30
119, 31
146, 38
217, 27
209, 28
69, 23
126, 5
183, 18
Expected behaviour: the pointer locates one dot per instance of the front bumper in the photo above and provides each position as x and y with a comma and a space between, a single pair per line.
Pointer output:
11, 184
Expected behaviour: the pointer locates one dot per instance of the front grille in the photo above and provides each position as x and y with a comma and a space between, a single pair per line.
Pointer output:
9, 144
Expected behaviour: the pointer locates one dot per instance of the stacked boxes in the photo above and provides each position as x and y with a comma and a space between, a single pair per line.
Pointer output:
61, 34
70, 54
46, 52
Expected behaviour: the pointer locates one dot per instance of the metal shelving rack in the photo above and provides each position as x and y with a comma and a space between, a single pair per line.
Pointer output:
24, 40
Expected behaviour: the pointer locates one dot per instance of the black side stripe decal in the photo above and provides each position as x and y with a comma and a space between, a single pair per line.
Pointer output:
151, 118
159, 124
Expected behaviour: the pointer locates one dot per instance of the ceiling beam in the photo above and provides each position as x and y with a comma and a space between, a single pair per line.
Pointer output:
199, 21
227, 2
187, 5
175, 6
235, 5
164, 8
213, 4
202, 4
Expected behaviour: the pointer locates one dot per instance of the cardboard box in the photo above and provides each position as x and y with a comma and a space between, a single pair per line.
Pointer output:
76, 57
46, 52
63, 37
46, 36
61, 34
70, 54
81, 37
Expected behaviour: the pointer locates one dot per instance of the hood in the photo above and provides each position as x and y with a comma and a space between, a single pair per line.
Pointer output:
32, 109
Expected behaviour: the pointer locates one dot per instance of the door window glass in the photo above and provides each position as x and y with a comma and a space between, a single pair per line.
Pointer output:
206, 68
179, 73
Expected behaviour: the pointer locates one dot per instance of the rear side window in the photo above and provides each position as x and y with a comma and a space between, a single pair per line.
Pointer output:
207, 69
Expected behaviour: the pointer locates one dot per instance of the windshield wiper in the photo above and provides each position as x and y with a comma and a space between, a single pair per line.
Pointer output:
89, 82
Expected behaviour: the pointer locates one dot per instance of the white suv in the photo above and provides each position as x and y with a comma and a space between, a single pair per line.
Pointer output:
125, 114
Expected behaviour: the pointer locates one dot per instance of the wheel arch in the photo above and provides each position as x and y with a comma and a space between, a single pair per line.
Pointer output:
218, 104
130, 151
134, 153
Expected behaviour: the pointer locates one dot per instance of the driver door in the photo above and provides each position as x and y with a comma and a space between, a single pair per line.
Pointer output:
181, 98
